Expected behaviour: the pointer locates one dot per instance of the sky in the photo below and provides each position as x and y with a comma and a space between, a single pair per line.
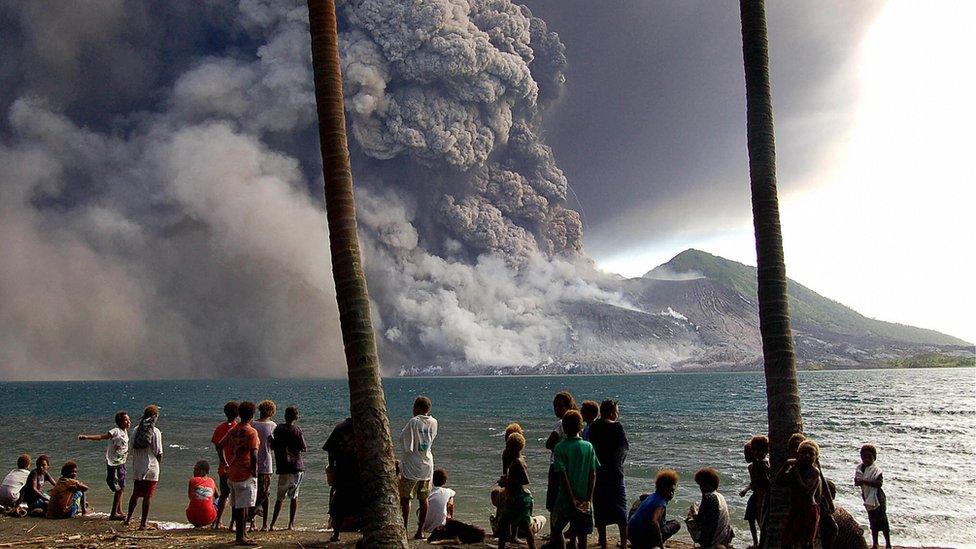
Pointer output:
161, 209
873, 110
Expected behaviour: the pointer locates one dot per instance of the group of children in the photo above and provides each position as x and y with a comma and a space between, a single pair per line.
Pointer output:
585, 482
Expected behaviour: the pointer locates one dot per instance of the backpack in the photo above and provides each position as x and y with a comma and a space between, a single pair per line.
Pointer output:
144, 433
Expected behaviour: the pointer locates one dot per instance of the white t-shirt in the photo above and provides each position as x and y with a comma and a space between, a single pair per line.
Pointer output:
265, 459
416, 439
145, 466
437, 507
12, 483
118, 447
558, 429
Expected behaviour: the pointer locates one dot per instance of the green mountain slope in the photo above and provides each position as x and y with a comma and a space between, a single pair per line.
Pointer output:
808, 309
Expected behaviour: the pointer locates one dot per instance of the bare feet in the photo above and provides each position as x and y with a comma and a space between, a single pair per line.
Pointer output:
245, 541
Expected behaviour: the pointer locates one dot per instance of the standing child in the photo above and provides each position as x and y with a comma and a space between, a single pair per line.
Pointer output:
230, 411
648, 525
561, 403
756, 451
515, 511
147, 452
33, 491
288, 443
265, 427
202, 509
868, 476
609, 497
116, 454
802, 477
440, 502
575, 463
68, 494
14, 482
241, 444
589, 410
417, 463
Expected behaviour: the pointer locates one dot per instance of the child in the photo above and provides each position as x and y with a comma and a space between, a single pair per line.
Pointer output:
589, 410
115, 457
288, 443
241, 445
417, 464
648, 525
147, 452
33, 491
14, 482
230, 411
755, 454
496, 493
265, 427
712, 518
802, 477
515, 509
609, 497
561, 403
868, 477
440, 502
575, 463
202, 509
68, 494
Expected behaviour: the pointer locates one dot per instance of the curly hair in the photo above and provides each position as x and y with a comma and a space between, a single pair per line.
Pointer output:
666, 478
267, 408
707, 478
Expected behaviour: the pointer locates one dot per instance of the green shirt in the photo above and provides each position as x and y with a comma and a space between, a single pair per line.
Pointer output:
577, 458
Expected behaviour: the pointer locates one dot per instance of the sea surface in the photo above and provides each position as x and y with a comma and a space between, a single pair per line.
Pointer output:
922, 421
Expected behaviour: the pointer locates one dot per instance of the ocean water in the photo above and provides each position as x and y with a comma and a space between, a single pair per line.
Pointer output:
923, 422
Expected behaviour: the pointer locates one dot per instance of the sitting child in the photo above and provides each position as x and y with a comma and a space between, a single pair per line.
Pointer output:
648, 525
440, 502
14, 482
515, 509
33, 491
202, 509
68, 495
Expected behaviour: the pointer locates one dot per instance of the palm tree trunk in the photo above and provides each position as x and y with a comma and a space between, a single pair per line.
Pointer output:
779, 358
383, 521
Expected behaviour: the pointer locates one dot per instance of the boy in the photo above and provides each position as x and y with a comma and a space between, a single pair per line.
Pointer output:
241, 446
440, 502
417, 464
868, 476
230, 410
33, 491
589, 410
561, 403
265, 427
116, 455
288, 443
802, 477
648, 525
609, 497
515, 511
202, 510
755, 452
68, 494
575, 462
14, 482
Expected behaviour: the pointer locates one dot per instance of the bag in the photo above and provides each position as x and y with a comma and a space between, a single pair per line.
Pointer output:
144, 433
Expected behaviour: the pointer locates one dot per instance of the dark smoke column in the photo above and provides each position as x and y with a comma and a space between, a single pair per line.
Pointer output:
368, 404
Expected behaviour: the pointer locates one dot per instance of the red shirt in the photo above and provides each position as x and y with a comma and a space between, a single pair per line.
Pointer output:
238, 444
201, 510
219, 433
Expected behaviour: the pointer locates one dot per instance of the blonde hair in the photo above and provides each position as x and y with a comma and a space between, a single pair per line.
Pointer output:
513, 428
810, 444
267, 408
515, 443
665, 478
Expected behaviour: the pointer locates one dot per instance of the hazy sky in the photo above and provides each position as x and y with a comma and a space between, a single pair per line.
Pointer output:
873, 109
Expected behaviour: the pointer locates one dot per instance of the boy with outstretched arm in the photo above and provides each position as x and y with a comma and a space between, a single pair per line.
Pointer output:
116, 454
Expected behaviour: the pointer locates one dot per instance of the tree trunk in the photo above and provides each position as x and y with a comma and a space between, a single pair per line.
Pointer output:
383, 521
779, 359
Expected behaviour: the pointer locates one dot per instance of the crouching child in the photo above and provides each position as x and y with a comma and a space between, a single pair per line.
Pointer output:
68, 494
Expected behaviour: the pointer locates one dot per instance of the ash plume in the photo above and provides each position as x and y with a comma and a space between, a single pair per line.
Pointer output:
181, 233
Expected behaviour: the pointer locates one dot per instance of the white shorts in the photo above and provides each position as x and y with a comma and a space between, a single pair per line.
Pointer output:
244, 494
289, 485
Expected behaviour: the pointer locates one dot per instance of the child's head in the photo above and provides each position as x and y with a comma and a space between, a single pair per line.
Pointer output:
794, 444
122, 420
43, 462
666, 482
201, 468
747, 452
589, 410
230, 410
562, 403
514, 444
69, 469
23, 462
513, 428
869, 454
572, 423
808, 452
760, 447
707, 479
421, 406
246, 411
151, 411
267, 409
440, 477
609, 409
291, 414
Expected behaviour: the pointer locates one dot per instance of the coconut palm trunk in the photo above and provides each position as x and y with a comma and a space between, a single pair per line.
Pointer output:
383, 521
779, 358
